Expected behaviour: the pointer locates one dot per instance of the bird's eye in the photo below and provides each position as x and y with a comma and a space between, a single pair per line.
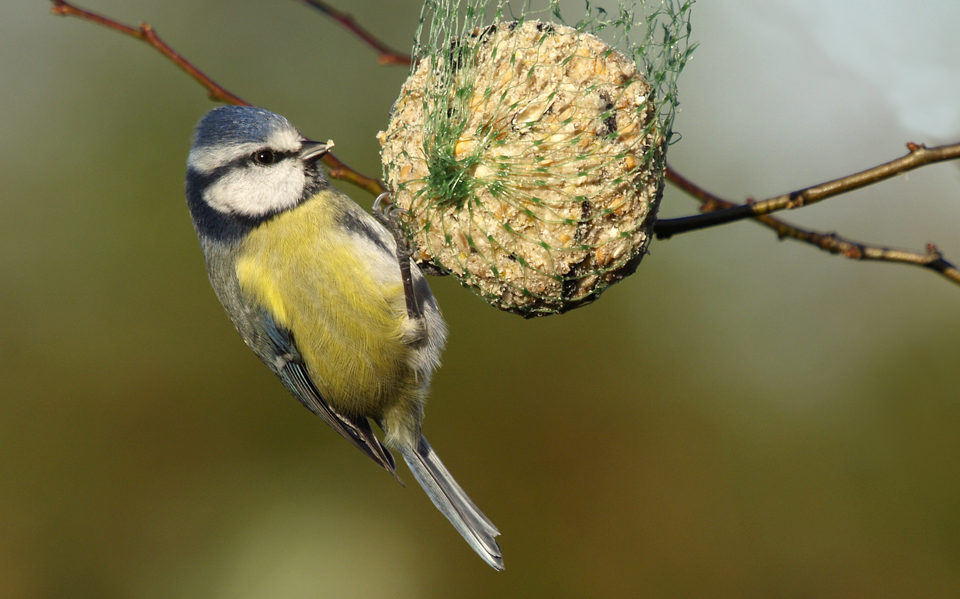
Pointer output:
265, 157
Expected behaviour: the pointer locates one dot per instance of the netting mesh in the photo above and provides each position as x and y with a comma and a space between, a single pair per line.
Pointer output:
527, 155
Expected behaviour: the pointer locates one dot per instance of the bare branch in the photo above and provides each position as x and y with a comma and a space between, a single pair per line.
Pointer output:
339, 170
830, 242
717, 210
146, 33
386, 54
919, 155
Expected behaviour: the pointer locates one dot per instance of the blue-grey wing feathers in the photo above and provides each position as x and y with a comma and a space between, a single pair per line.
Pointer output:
292, 372
355, 430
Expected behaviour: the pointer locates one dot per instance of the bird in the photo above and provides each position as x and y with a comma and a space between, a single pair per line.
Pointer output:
325, 294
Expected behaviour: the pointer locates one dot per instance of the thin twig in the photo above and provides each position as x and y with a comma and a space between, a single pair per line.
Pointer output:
830, 242
146, 33
718, 211
386, 54
919, 155
339, 170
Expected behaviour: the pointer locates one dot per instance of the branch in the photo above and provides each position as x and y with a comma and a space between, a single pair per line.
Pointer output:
830, 242
386, 54
339, 170
146, 33
719, 211
919, 155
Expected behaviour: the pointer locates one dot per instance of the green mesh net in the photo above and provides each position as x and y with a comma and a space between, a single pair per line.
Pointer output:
527, 154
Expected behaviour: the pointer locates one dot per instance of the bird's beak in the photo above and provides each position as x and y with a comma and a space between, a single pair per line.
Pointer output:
314, 150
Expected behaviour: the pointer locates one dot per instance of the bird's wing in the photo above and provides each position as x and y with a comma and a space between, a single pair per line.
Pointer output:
293, 373
357, 431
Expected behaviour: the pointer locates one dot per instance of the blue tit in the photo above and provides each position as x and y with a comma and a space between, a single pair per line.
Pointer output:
324, 294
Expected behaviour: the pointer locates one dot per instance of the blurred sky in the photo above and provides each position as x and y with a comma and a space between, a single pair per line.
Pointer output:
743, 417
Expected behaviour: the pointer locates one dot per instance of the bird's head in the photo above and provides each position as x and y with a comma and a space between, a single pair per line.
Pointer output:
251, 164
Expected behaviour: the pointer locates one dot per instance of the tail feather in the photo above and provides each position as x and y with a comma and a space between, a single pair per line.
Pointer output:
450, 499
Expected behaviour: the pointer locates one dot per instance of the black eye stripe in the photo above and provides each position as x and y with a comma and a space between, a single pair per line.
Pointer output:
241, 162
268, 156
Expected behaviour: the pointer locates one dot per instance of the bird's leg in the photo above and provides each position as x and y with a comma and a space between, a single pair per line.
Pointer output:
386, 213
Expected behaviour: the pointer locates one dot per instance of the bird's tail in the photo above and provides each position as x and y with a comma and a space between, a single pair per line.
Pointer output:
450, 499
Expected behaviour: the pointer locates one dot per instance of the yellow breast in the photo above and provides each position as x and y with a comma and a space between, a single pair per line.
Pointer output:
313, 279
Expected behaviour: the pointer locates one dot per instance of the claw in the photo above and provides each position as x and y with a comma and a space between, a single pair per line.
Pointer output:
385, 210
381, 199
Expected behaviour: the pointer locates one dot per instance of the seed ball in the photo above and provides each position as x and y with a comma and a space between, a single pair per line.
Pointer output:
528, 162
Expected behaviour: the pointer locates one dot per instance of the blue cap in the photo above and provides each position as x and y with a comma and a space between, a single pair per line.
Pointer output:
237, 124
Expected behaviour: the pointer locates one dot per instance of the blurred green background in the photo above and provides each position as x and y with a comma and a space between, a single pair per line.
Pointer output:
742, 418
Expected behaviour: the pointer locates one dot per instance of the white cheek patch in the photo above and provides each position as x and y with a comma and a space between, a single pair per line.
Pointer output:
257, 191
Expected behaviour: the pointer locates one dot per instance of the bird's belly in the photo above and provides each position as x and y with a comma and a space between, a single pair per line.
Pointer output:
345, 323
